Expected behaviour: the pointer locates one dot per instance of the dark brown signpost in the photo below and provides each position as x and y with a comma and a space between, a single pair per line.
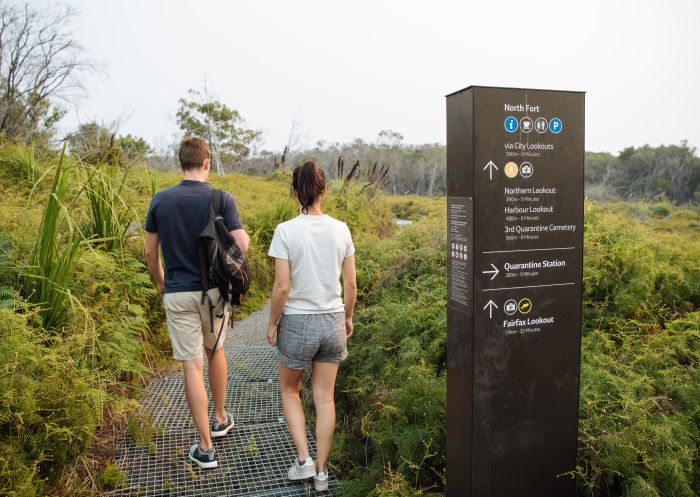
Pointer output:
515, 253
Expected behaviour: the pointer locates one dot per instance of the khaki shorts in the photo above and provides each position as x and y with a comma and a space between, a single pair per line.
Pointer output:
188, 322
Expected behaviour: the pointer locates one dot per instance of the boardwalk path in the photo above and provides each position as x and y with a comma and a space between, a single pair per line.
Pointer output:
253, 458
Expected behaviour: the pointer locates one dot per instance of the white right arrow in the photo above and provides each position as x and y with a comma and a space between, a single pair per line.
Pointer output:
491, 305
491, 167
493, 271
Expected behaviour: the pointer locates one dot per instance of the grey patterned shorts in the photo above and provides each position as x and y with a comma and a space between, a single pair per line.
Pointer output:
306, 338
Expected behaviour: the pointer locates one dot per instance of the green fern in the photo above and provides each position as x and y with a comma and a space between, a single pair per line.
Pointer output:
6, 297
638, 487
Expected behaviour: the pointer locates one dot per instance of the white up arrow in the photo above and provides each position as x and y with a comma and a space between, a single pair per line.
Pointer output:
490, 305
491, 167
493, 271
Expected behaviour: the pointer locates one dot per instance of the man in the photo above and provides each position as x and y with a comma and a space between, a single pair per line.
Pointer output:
176, 217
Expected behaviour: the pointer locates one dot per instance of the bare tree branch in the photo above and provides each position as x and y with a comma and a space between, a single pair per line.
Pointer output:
39, 62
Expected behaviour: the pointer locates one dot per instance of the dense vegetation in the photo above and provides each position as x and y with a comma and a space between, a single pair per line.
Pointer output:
640, 378
81, 324
80, 338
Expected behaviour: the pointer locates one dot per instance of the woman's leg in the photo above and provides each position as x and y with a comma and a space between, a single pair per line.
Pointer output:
290, 384
323, 381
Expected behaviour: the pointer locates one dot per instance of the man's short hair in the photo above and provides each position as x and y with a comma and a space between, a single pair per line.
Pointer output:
193, 152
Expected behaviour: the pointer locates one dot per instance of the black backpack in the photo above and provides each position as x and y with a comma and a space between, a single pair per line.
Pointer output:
222, 264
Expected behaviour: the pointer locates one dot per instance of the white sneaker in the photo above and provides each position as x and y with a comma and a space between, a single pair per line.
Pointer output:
306, 470
321, 482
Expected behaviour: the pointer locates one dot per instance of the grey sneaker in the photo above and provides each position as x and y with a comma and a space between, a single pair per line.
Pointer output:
204, 459
219, 429
321, 482
304, 471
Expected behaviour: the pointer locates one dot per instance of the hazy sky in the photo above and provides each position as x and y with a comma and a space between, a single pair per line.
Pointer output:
350, 69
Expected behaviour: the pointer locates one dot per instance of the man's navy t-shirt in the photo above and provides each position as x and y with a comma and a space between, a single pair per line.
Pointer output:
179, 214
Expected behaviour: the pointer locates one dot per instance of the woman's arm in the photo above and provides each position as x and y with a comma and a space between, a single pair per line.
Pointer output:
280, 292
349, 291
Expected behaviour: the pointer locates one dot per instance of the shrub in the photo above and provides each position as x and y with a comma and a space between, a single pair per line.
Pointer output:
50, 404
112, 478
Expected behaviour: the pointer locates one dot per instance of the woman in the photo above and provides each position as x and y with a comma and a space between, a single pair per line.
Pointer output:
309, 324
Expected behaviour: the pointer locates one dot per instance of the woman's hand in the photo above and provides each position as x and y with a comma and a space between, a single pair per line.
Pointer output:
271, 334
348, 327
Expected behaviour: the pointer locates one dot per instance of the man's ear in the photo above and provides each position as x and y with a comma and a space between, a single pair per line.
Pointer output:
206, 164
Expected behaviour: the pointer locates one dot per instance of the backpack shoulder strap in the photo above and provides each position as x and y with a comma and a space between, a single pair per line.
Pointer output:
216, 201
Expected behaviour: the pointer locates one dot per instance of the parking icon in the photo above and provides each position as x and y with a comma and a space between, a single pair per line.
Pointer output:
555, 125
511, 124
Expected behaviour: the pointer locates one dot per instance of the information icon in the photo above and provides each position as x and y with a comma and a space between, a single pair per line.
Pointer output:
555, 125
526, 124
511, 169
511, 124
526, 169
541, 125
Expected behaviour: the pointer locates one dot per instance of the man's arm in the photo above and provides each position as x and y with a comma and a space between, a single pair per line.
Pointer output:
280, 292
241, 238
349, 291
153, 259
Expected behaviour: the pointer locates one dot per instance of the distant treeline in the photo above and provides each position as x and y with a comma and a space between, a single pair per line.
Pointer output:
415, 169
671, 172
644, 173
668, 172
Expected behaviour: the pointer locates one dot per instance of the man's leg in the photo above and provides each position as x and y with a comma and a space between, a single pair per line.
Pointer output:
218, 369
197, 399
218, 378
290, 384
323, 384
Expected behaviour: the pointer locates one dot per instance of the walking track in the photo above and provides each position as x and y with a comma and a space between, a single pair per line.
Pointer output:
253, 458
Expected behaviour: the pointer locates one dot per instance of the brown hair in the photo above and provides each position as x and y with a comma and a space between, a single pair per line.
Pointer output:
193, 152
309, 183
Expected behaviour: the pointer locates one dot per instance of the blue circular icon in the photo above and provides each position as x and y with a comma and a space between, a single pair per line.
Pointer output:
511, 124
555, 125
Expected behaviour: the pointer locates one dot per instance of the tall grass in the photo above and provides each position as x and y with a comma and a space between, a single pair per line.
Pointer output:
110, 220
49, 272
20, 160
263, 225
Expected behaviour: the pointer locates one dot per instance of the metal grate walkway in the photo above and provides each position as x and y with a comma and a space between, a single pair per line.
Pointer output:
253, 458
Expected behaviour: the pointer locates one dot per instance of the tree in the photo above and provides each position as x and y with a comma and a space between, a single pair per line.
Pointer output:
206, 117
96, 143
39, 63
134, 148
647, 173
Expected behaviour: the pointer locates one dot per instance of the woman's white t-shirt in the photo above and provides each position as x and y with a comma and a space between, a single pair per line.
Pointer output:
315, 246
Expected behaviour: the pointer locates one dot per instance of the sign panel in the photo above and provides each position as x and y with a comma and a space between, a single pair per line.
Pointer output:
460, 256
516, 341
